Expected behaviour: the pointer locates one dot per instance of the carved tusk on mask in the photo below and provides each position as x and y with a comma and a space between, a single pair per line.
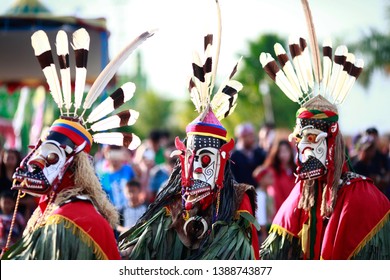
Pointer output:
321, 136
175, 153
80, 147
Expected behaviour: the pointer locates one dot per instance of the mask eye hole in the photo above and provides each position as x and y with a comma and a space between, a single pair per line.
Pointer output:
311, 138
52, 158
205, 160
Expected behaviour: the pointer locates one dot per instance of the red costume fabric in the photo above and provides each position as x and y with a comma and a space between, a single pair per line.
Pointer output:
282, 186
360, 212
72, 231
95, 227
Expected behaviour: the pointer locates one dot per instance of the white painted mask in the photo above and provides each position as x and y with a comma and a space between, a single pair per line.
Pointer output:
312, 152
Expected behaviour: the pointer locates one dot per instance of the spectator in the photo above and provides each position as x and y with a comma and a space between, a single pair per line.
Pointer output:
265, 202
7, 205
362, 162
9, 161
154, 145
247, 154
378, 166
280, 162
353, 148
267, 136
114, 172
144, 161
160, 173
135, 206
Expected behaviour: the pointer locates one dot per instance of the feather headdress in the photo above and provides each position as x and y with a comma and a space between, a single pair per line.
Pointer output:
318, 88
95, 121
201, 85
302, 76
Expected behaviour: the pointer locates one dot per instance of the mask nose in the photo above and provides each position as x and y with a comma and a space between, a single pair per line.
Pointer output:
306, 154
37, 162
198, 170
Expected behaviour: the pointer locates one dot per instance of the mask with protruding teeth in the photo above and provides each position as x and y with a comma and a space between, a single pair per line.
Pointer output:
41, 169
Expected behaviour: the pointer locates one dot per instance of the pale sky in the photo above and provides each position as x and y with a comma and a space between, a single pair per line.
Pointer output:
182, 24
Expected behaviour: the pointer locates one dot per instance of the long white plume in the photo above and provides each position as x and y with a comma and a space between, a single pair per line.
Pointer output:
110, 70
315, 52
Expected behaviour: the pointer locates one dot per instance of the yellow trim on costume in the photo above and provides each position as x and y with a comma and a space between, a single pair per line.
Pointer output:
370, 235
282, 231
237, 215
84, 236
304, 236
320, 116
187, 216
77, 126
207, 134
167, 211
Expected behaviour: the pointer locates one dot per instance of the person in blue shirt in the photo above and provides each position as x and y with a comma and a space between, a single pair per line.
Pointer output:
114, 172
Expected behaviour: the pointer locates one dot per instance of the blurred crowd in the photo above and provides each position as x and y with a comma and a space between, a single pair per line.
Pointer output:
262, 157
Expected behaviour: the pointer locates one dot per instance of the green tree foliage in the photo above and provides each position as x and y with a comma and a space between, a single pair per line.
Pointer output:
8, 106
155, 112
251, 75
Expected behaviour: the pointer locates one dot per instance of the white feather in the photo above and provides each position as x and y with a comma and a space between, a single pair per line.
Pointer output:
349, 83
63, 51
107, 106
336, 69
280, 79
343, 76
81, 40
289, 72
195, 97
327, 64
40, 44
206, 87
114, 122
299, 63
116, 138
307, 66
220, 97
203, 94
223, 103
